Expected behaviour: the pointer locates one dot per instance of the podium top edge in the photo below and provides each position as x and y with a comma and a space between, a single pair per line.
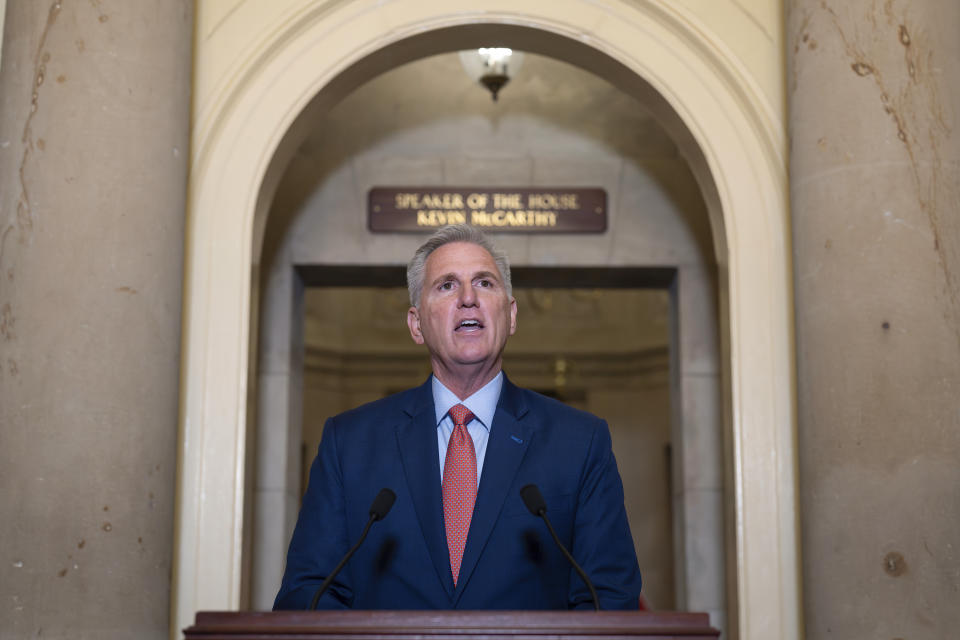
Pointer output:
422, 624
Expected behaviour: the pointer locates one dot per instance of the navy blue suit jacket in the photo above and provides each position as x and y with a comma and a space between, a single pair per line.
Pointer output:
510, 561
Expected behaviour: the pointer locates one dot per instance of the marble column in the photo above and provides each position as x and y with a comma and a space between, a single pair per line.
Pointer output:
94, 121
280, 398
874, 98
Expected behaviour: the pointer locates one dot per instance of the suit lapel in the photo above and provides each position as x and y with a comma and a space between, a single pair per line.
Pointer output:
508, 442
417, 439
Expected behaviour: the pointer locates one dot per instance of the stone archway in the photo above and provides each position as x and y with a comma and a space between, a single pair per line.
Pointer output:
245, 131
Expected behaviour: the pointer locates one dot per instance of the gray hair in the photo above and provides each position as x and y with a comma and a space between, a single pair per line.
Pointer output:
416, 270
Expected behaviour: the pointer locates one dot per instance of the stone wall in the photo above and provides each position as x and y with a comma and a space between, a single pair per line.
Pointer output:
93, 135
876, 218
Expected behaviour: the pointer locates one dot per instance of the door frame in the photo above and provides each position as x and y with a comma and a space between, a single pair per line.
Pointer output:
246, 125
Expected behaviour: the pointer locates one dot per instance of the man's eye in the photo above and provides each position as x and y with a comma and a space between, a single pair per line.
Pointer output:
484, 283
446, 286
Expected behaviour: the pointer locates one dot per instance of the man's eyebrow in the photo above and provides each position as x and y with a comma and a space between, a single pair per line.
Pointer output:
452, 276
443, 278
486, 274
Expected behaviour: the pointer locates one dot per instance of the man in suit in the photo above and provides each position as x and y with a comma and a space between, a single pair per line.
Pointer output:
457, 451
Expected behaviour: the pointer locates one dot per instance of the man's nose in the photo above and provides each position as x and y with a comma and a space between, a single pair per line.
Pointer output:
468, 297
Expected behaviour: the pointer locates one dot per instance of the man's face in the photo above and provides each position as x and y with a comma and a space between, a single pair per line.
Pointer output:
465, 315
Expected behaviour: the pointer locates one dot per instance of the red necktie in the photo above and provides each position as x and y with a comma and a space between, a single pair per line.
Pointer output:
459, 486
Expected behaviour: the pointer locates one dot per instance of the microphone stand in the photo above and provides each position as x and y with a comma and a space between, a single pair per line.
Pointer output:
533, 499
381, 505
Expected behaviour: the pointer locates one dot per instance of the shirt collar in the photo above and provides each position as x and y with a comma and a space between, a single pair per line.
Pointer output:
482, 404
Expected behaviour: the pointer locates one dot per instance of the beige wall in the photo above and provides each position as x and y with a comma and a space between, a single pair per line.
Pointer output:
93, 165
876, 209
3, 14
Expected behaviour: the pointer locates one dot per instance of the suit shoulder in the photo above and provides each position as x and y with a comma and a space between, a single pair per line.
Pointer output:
558, 413
377, 409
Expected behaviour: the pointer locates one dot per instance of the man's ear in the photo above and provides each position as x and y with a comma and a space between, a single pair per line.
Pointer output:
413, 323
513, 315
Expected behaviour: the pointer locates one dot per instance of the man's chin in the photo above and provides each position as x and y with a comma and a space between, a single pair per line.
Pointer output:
473, 363
467, 361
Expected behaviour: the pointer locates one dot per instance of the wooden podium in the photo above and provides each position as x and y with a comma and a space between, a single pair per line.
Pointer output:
449, 625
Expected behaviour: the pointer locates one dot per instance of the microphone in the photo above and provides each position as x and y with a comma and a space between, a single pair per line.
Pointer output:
378, 511
382, 504
537, 505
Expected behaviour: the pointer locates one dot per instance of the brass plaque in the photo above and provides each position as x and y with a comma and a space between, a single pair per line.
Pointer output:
501, 210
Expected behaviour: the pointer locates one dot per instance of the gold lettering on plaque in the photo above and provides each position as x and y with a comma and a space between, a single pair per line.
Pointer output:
506, 200
552, 201
521, 211
428, 201
541, 201
477, 201
405, 200
438, 217
522, 218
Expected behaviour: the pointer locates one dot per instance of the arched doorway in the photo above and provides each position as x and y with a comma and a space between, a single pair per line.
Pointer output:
724, 131
585, 333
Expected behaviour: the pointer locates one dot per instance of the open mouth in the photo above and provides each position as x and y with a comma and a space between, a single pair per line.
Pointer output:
469, 325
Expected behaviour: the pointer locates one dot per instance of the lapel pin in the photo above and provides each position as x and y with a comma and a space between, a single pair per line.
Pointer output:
516, 439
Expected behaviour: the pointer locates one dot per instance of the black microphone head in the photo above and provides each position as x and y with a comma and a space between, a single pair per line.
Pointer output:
533, 499
382, 504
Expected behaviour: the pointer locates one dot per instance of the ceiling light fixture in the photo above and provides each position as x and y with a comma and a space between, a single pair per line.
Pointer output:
492, 66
